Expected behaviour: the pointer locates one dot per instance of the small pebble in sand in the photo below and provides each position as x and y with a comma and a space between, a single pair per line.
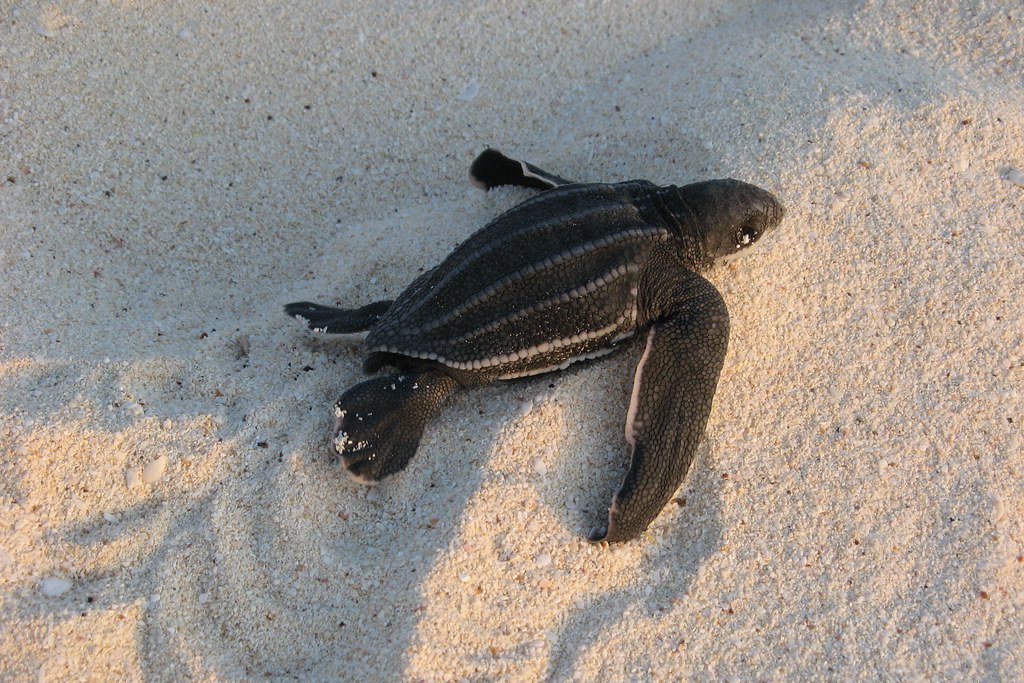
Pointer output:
154, 470
471, 90
525, 407
539, 467
1014, 175
543, 560
53, 587
133, 476
185, 33
110, 517
167, 424
5, 559
45, 31
204, 598
133, 408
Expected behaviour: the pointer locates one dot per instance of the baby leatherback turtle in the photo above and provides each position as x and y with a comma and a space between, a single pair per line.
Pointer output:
565, 276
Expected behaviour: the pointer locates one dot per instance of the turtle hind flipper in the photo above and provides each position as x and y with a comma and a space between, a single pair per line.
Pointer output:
330, 320
492, 168
378, 423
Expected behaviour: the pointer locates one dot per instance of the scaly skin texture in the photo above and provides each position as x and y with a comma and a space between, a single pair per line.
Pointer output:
378, 423
673, 388
562, 277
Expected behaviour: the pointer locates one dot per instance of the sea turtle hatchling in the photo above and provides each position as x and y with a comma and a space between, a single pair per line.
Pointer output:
565, 276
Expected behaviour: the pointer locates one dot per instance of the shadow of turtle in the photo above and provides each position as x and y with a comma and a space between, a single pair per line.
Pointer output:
578, 492
676, 546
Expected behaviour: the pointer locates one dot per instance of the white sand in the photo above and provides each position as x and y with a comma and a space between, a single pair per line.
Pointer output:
172, 173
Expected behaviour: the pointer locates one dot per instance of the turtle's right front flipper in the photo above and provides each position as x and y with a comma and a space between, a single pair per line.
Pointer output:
492, 168
672, 395
332, 320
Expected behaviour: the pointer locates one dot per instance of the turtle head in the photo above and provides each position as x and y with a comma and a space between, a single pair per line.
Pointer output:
731, 216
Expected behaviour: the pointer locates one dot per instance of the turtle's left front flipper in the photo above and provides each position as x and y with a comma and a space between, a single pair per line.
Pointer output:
672, 394
491, 168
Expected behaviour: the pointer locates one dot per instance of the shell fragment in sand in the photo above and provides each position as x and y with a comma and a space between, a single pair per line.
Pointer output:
1014, 175
53, 587
154, 470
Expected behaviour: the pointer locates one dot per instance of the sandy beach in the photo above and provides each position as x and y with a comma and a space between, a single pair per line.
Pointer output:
172, 173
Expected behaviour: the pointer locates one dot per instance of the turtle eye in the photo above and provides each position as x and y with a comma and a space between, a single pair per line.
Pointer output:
746, 236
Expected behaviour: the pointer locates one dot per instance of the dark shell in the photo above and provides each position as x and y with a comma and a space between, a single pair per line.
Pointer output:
553, 280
